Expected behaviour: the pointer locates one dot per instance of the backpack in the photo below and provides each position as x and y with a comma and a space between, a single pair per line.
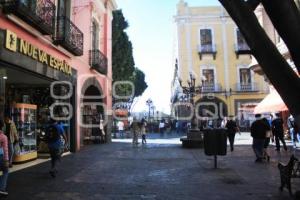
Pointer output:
52, 134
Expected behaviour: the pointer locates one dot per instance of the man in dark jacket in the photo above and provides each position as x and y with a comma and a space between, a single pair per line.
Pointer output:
258, 132
277, 128
232, 128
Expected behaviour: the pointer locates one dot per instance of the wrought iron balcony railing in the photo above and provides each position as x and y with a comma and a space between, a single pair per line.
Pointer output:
207, 49
242, 48
211, 87
69, 36
246, 87
98, 61
38, 13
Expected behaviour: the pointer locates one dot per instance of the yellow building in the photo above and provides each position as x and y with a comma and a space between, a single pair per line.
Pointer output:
212, 49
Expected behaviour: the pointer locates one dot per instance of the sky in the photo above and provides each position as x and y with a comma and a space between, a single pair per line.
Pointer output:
152, 32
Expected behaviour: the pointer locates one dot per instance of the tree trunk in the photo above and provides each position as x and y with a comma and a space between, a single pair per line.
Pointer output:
278, 71
253, 3
286, 19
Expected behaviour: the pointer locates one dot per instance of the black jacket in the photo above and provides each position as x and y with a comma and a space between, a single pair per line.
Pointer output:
258, 129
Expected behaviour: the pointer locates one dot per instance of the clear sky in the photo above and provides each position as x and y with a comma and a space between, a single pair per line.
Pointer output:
152, 32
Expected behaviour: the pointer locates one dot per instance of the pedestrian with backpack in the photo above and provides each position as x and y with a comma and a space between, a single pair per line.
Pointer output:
55, 144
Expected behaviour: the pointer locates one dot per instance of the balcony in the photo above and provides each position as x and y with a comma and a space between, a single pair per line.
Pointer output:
241, 48
69, 36
211, 88
38, 13
207, 49
98, 61
246, 87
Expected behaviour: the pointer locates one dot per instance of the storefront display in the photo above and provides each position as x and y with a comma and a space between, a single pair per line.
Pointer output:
24, 116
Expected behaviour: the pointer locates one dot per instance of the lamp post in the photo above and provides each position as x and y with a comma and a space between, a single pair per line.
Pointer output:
191, 91
153, 108
149, 103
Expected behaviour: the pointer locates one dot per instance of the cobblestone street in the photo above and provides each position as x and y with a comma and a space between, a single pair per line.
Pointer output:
157, 170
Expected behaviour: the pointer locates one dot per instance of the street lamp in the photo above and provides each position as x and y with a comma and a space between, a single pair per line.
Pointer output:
149, 103
153, 108
191, 91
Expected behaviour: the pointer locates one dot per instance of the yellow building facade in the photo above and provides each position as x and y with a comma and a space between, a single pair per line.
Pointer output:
211, 48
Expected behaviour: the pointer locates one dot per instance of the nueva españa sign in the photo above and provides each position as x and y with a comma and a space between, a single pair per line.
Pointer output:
35, 53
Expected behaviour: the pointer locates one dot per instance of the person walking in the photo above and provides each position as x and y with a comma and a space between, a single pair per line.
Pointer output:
232, 128
277, 129
177, 126
268, 137
258, 133
11, 133
224, 122
4, 161
161, 127
102, 132
293, 132
135, 131
55, 144
143, 130
121, 128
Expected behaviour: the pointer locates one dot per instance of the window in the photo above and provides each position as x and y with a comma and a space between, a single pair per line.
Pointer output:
206, 37
64, 7
209, 76
240, 38
207, 45
95, 35
245, 76
209, 80
241, 42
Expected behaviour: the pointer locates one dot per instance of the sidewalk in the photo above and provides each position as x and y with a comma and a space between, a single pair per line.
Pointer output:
154, 171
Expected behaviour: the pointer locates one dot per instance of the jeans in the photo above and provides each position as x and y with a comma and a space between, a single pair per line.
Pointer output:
11, 151
295, 137
258, 147
280, 138
231, 140
55, 155
4, 177
121, 133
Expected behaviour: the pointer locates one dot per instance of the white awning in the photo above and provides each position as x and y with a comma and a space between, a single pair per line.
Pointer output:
271, 103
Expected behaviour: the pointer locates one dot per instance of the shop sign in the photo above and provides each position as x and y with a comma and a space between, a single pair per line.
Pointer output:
15, 44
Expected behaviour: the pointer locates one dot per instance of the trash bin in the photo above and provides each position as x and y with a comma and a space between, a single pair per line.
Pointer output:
215, 142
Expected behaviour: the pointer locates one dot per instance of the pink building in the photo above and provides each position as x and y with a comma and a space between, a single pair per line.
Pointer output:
55, 60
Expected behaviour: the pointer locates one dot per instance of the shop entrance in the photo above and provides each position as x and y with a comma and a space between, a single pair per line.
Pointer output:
92, 112
25, 97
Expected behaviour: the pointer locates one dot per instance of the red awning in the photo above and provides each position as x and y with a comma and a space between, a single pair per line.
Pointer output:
121, 112
271, 103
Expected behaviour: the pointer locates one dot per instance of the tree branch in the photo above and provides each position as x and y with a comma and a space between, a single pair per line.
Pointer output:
253, 3
286, 19
271, 61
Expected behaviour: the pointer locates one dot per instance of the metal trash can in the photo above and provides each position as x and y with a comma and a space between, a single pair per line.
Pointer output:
215, 142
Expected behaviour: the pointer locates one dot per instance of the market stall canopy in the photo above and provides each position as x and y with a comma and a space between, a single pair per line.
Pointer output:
121, 112
271, 103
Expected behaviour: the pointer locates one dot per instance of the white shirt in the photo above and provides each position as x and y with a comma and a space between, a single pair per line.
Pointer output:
161, 125
120, 126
